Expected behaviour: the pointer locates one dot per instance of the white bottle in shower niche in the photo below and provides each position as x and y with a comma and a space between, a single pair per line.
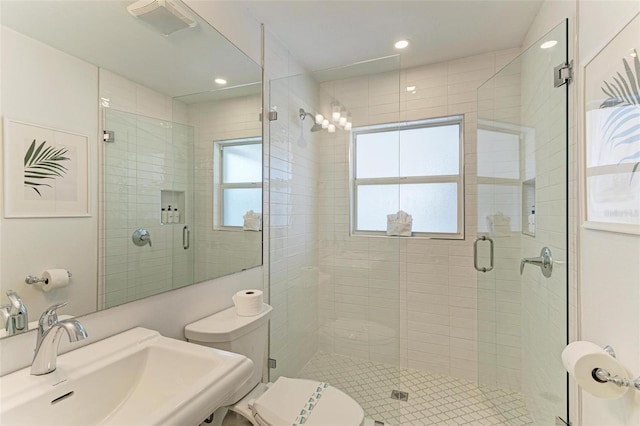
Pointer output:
531, 220
169, 214
176, 215
163, 215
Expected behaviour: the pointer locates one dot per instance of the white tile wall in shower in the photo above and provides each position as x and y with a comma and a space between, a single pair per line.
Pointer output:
154, 162
293, 202
421, 294
221, 252
145, 158
544, 300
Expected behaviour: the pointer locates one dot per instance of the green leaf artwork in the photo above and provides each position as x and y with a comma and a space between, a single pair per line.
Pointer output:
622, 127
41, 163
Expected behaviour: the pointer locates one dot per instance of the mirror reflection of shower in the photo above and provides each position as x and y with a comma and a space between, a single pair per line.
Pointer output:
303, 115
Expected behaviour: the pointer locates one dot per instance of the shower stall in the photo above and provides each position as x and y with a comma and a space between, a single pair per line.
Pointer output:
406, 325
148, 164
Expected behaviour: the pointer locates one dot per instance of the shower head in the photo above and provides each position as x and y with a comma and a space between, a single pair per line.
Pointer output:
303, 114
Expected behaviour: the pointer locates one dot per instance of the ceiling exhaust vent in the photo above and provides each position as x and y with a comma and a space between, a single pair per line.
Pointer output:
163, 15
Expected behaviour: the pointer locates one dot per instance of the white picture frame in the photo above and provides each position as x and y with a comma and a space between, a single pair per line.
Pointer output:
46, 171
612, 134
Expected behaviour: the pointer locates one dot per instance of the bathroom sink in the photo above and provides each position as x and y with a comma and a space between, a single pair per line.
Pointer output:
134, 378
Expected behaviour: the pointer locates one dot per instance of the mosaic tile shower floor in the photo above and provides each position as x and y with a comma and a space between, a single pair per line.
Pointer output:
433, 399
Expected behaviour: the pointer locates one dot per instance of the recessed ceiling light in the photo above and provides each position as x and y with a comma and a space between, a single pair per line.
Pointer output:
401, 44
220, 81
548, 44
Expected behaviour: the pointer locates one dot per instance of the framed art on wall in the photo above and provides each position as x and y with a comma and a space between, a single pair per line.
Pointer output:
612, 133
45, 171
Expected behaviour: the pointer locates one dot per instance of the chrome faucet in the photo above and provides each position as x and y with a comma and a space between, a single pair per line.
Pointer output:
49, 334
14, 315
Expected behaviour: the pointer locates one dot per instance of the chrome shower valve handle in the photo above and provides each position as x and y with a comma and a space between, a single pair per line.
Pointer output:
141, 237
545, 262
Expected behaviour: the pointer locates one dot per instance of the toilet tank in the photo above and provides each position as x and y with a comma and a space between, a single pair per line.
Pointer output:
246, 336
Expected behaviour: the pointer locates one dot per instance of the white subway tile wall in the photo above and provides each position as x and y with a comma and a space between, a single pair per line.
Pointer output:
150, 153
522, 321
293, 203
544, 312
220, 252
154, 152
407, 302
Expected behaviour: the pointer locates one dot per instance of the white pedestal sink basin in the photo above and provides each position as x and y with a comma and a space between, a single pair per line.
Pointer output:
134, 378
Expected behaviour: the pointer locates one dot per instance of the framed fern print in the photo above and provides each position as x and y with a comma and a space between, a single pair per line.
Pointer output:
612, 133
45, 171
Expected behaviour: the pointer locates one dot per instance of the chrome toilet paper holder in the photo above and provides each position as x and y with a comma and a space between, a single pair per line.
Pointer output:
601, 375
33, 279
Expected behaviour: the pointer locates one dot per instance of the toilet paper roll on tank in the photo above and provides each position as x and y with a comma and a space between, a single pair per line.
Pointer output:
248, 302
582, 358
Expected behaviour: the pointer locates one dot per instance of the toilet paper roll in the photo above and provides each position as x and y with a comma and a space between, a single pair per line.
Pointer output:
54, 278
248, 302
581, 358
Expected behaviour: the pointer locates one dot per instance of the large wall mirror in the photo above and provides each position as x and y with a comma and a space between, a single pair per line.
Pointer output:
132, 152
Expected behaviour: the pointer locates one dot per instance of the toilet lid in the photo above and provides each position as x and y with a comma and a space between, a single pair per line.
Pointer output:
283, 403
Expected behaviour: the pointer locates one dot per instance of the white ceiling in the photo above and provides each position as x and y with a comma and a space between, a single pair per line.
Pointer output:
327, 34
103, 33
321, 35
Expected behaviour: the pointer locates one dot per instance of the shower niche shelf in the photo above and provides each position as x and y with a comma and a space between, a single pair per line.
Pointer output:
528, 207
175, 199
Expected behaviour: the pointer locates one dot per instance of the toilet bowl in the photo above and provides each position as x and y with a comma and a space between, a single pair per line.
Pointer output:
285, 402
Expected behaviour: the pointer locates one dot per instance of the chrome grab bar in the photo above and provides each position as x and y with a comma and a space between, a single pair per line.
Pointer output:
185, 237
475, 254
545, 262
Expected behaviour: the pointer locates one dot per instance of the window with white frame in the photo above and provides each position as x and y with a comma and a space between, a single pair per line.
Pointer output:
412, 166
238, 181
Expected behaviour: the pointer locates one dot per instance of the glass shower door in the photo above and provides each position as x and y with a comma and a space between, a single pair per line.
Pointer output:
521, 245
148, 165
335, 296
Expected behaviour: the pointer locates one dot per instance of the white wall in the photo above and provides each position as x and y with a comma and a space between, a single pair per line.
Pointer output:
609, 267
62, 95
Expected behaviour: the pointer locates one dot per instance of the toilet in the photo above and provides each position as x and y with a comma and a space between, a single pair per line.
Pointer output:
286, 402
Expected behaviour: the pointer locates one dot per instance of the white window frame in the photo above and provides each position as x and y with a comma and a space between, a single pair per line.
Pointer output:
457, 179
218, 198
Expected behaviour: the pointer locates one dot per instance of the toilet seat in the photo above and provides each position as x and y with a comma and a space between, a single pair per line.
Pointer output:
285, 399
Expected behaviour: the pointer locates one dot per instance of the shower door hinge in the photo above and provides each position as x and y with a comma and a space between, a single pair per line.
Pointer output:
272, 363
560, 422
108, 136
563, 74
273, 116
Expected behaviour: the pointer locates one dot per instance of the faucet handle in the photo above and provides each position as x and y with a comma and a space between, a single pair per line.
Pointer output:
4, 314
15, 302
49, 317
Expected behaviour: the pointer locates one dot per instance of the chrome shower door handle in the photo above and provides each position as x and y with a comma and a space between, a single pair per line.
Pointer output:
185, 237
545, 262
475, 254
